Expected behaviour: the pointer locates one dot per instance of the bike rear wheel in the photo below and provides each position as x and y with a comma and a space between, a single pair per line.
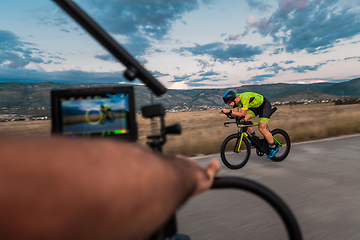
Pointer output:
233, 156
282, 141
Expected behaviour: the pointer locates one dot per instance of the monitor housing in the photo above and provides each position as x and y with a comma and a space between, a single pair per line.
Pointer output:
94, 112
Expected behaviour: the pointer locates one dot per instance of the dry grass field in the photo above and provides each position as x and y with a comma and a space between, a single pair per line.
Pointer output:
203, 131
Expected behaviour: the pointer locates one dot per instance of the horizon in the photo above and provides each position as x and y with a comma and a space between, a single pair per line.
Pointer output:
247, 42
141, 84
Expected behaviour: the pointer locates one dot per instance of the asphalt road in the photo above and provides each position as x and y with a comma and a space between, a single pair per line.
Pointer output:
319, 181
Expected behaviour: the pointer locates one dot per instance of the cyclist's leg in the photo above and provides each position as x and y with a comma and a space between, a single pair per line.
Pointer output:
264, 118
264, 131
249, 114
268, 136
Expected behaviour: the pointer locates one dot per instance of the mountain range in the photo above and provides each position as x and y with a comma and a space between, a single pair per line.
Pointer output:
37, 95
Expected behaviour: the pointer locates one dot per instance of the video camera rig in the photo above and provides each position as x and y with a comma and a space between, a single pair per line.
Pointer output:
135, 70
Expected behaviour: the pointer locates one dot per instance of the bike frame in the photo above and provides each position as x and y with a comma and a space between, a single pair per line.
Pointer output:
242, 131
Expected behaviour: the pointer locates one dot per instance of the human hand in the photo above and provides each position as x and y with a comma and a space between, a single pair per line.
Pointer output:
206, 179
204, 176
224, 111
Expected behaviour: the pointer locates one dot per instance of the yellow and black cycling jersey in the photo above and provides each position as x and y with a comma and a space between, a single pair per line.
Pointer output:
249, 100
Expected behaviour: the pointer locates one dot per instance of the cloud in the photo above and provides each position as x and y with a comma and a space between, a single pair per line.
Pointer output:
276, 68
194, 80
181, 78
153, 18
258, 5
137, 45
221, 52
269, 68
157, 74
106, 57
310, 25
260, 78
349, 58
233, 37
197, 80
253, 22
189, 79
179, 85
70, 76
200, 85
15, 53
140, 21
306, 68
204, 64
210, 73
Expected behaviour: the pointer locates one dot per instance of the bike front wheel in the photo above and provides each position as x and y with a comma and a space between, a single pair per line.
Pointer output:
282, 141
235, 152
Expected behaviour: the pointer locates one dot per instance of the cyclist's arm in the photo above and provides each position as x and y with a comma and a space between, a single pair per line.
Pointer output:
55, 188
238, 112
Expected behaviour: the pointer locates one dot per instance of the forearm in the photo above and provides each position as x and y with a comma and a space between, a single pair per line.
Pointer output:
238, 112
67, 187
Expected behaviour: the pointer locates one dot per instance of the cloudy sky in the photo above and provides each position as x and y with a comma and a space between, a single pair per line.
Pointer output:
185, 44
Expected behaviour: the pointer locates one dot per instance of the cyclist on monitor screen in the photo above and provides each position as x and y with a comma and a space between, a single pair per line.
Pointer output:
106, 111
249, 105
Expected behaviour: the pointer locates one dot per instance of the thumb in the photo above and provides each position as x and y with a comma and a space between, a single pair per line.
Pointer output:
206, 179
212, 169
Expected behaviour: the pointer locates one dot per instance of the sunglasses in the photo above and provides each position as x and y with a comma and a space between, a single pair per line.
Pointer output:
229, 101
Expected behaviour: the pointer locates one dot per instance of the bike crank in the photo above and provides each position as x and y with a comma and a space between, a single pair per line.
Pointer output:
259, 153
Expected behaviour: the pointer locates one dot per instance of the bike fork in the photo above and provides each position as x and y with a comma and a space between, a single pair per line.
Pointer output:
238, 142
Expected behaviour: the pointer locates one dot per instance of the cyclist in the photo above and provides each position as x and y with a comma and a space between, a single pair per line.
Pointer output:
106, 110
249, 105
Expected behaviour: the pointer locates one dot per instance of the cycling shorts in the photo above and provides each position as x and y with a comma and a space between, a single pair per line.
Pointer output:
264, 111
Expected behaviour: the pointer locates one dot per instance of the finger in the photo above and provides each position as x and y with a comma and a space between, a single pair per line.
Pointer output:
213, 168
205, 183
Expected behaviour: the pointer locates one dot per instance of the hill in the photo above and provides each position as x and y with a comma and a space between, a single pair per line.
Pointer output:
350, 88
37, 95
301, 95
272, 90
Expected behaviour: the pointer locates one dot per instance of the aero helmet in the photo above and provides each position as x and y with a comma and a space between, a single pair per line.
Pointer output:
229, 96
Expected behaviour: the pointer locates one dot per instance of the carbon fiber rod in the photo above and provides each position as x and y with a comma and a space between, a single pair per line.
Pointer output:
133, 66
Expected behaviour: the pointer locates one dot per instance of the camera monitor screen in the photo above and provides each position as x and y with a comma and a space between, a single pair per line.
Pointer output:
105, 112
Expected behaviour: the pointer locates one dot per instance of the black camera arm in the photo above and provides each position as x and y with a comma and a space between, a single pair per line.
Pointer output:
134, 69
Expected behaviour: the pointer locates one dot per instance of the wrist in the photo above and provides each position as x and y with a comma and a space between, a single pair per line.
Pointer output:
186, 172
